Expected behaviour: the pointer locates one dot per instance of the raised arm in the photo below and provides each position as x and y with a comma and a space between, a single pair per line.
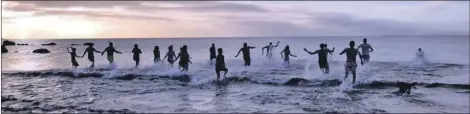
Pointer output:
277, 44
309, 51
251, 47
238, 52
262, 49
331, 51
68, 50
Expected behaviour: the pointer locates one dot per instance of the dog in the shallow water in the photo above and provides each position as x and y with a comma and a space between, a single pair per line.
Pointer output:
405, 87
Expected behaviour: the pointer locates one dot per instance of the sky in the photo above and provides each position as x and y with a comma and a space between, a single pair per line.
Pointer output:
162, 19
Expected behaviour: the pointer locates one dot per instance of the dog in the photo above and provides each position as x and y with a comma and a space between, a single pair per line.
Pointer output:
405, 87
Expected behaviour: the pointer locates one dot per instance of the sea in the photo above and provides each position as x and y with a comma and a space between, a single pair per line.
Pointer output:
47, 83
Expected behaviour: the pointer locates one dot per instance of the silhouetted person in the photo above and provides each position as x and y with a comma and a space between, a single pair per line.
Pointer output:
365, 50
351, 65
156, 54
246, 53
420, 53
212, 52
286, 55
110, 51
91, 56
180, 63
4, 49
322, 57
170, 54
184, 58
73, 54
269, 49
136, 56
220, 64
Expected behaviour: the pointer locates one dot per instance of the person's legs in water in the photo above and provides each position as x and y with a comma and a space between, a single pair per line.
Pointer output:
354, 76
110, 59
327, 68
366, 58
247, 61
92, 60
137, 63
185, 67
218, 74
226, 71
346, 71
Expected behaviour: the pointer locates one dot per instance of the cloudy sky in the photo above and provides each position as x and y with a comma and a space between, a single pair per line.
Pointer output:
153, 19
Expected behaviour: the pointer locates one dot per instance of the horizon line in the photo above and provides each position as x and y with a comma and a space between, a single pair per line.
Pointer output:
226, 37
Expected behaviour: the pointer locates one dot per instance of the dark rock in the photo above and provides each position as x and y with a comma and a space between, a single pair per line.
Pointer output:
48, 44
4, 49
7, 43
42, 50
296, 81
22, 44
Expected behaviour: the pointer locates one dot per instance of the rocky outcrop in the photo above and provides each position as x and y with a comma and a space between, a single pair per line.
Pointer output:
49, 44
4, 49
7, 43
42, 50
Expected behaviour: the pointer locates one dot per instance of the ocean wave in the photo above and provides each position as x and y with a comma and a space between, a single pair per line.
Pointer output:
301, 82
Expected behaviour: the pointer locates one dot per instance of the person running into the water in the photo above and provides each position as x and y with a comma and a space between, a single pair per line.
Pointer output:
212, 52
156, 54
91, 56
420, 53
110, 52
366, 48
246, 53
170, 54
136, 56
180, 65
286, 54
184, 58
351, 65
322, 57
269, 49
73, 54
220, 64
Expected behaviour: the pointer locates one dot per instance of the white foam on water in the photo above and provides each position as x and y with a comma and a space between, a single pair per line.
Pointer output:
340, 95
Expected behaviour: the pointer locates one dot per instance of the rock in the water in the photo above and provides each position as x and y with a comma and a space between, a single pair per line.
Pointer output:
296, 81
4, 49
49, 44
8, 42
22, 44
42, 50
